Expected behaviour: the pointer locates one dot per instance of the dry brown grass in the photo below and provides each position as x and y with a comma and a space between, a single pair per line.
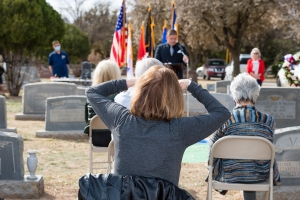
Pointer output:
62, 162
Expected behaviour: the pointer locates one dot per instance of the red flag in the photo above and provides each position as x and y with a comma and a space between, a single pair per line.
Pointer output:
142, 46
118, 47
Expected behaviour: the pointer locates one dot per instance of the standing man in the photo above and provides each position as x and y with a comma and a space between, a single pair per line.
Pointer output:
58, 61
171, 52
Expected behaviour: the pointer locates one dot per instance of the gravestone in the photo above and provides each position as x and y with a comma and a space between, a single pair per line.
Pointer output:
65, 118
287, 145
45, 73
31, 76
35, 95
86, 69
81, 91
195, 107
11, 156
13, 183
221, 86
282, 103
287, 155
211, 87
3, 119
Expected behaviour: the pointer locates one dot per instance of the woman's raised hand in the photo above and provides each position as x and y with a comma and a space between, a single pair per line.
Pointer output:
184, 83
130, 82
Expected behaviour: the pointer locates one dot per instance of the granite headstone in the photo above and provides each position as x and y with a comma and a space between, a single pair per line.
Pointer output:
3, 118
211, 87
35, 95
65, 117
282, 103
86, 69
2, 112
81, 90
31, 76
287, 146
195, 107
221, 86
11, 156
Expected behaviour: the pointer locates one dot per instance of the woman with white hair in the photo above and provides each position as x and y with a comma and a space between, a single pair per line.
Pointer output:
124, 98
245, 120
256, 66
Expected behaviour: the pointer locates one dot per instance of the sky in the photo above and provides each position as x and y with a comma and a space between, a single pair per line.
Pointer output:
88, 4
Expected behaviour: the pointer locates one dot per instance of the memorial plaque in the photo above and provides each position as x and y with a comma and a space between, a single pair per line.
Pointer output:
35, 95
287, 146
282, 103
86, 69
65, 113
221, 86
11, 156
3, 123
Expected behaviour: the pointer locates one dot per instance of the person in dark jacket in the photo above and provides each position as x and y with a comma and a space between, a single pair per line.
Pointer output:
171, 52
106, 70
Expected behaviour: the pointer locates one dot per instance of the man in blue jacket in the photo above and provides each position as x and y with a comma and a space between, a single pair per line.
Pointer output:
172, 52
58, 61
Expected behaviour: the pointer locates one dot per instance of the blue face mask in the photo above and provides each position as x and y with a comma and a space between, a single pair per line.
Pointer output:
57, 48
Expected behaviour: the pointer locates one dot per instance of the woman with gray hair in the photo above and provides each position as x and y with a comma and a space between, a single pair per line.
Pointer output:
245, 120
124, 98
256, 66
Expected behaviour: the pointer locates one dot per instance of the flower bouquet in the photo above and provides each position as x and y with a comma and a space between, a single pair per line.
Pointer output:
289, 64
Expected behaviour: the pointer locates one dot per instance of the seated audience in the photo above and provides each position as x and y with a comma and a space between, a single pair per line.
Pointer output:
124, 98
106, 70
151, 137
245, 120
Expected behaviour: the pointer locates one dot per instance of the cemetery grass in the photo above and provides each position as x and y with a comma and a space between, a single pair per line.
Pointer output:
63, 162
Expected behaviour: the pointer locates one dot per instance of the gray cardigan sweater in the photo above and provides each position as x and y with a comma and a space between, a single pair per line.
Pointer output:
153, 148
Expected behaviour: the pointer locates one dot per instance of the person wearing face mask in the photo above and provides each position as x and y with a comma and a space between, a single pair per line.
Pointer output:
171, 52
58, 61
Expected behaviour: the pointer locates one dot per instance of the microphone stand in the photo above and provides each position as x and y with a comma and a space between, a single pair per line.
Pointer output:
187, 92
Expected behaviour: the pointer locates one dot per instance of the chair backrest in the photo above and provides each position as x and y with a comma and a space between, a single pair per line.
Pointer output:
243, 147
96, 123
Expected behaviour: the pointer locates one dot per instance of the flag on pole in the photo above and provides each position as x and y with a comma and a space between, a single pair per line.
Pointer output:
174, 16
149, 35
164, 35
129, 54
118, 47
142, 46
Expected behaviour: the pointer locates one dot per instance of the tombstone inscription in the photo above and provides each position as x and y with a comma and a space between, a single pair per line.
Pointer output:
287, 145
282, 103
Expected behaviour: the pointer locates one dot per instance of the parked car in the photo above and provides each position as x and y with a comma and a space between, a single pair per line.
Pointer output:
281, 79
199, 71
243, 64
214, 68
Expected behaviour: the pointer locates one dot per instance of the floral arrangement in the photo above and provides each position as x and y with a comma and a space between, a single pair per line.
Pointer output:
288, 65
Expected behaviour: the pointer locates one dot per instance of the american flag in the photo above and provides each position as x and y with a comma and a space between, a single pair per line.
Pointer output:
118, 47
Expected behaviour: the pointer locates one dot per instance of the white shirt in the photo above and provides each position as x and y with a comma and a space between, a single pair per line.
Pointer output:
255, 64
124, 98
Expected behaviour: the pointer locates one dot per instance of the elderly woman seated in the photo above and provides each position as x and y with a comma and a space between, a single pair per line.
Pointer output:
245, 120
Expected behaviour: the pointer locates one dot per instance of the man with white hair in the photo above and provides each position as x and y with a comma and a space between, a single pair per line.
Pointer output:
124, 98
245, 120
